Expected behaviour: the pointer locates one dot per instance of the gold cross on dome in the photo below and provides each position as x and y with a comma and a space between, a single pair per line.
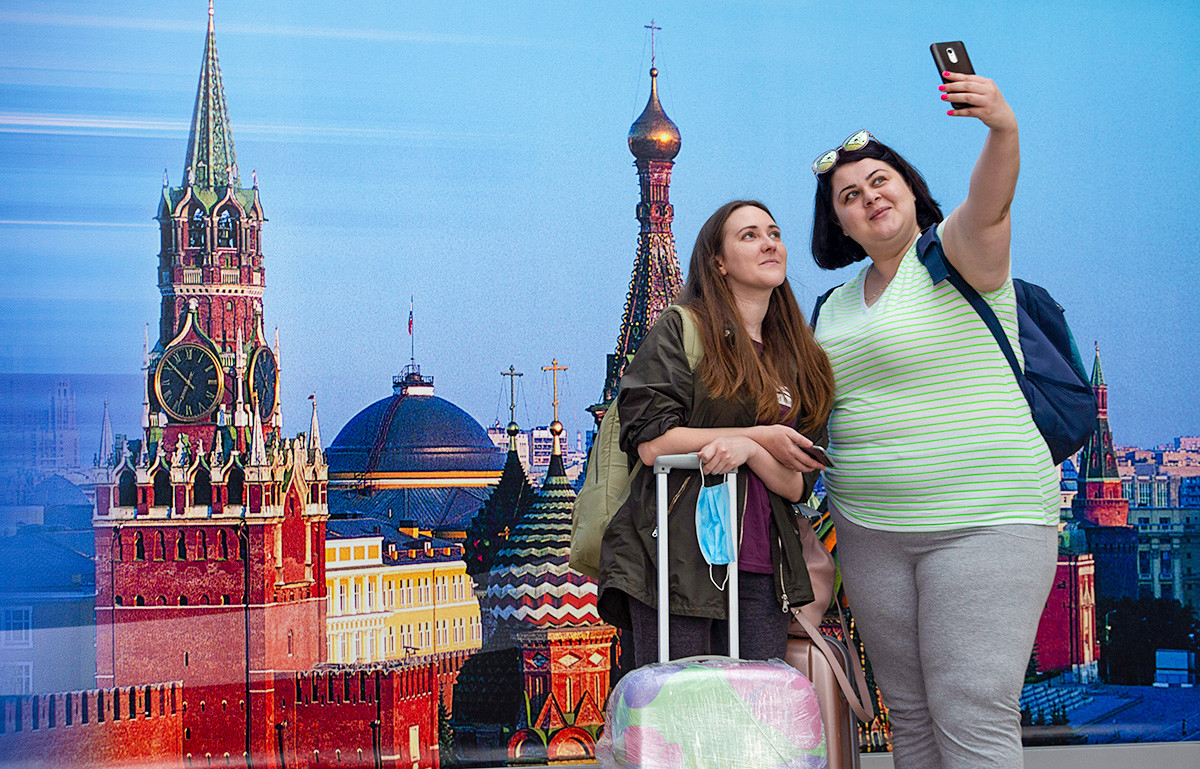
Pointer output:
512, 375
555, 368
652, 29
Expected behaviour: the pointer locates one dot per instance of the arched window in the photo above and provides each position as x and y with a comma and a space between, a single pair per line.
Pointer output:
202, 496
139, 601
201, 545
117, 547
204, 599
237, 486
180, 548
160, 550
118, 600
227, 229
139, 547
160, 601
196, 229
224, 548
183, 600
162, 488
127, 489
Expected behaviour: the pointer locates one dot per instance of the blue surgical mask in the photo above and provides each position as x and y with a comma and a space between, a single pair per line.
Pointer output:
712, 529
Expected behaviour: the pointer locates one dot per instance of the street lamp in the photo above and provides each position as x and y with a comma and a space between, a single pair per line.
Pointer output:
1107, 653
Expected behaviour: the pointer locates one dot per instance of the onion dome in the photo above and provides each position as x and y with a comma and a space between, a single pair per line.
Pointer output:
530, 585
653, 136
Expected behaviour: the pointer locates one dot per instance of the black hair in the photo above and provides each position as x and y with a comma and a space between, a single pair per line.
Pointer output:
832, 248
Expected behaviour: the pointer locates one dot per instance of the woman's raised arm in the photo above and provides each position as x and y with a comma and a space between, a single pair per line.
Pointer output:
978, 233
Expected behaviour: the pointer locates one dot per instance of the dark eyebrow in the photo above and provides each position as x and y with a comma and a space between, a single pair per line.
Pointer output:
869, 177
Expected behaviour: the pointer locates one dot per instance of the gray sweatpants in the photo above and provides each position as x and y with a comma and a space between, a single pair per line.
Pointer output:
948, 620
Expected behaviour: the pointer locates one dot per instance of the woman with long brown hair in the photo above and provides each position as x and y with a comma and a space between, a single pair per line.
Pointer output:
756, 401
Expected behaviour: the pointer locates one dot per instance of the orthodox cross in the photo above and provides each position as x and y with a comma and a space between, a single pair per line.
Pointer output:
652, 28
555, 368
512, 375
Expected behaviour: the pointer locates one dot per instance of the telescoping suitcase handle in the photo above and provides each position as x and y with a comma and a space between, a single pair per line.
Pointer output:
662, 467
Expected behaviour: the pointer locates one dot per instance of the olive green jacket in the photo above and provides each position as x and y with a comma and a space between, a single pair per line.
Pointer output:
658, 392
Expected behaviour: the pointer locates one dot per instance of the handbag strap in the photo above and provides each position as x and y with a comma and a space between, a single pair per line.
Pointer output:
860, 701
930, 249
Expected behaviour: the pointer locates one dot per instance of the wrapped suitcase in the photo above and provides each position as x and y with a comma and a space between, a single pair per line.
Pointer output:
841, 725
710, 712
824, 660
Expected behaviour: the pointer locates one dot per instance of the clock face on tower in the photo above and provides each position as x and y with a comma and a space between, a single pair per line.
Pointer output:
188, 382
264, 381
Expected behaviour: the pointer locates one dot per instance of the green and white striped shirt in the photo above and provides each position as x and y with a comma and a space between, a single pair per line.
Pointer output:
929, 429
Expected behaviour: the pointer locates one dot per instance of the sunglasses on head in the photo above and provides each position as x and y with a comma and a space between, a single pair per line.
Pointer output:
854, 141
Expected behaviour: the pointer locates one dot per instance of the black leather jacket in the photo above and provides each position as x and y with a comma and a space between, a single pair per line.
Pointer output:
658, 392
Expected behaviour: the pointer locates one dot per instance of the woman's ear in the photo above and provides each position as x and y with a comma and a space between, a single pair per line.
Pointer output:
720, 267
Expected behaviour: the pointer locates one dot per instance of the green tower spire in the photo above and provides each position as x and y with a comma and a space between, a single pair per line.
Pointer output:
211, 161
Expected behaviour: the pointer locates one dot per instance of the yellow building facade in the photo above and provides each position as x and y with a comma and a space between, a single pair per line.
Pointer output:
388, 601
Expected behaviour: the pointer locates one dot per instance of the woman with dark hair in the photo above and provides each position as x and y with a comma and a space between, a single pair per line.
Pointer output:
759, 396
943, 491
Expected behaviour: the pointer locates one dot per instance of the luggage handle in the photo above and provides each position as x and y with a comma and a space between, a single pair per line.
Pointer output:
663, 465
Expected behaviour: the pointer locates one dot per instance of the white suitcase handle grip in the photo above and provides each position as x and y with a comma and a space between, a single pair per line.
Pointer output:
663, 465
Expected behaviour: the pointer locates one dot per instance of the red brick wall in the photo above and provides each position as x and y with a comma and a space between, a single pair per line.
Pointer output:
329, 716
152, 734
1067, 630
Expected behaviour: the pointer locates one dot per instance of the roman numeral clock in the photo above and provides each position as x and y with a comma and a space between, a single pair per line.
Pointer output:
264, 382
189, 382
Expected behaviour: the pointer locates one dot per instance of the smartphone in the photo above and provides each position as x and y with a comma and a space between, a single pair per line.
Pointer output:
952, 57
818, 453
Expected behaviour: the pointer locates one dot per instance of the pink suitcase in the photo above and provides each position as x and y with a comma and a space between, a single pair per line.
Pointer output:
710, 712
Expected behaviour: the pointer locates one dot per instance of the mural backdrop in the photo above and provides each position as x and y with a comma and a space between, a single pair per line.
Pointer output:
291, 430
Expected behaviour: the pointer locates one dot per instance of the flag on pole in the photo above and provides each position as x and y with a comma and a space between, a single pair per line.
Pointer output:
410, 313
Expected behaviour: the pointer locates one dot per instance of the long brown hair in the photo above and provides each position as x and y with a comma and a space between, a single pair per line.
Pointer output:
791, 357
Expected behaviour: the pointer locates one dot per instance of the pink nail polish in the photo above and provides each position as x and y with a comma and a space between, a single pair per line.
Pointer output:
945, 97
949, 112
941, 87
946, 73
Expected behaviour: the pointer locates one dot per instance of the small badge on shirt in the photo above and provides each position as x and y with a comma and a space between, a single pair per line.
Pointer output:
785, 397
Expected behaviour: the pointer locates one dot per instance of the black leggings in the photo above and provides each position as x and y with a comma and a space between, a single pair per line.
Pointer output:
763, 626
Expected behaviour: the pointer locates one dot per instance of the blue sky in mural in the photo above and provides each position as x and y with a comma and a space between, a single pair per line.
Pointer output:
473, 155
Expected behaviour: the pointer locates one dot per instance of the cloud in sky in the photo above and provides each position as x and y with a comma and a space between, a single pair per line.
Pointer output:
277, 30
102, 125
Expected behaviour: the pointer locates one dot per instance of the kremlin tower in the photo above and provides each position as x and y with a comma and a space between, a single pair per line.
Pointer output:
1100, 508
654, 141
210, 532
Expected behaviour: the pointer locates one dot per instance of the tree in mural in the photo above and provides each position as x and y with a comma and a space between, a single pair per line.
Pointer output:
1134, 630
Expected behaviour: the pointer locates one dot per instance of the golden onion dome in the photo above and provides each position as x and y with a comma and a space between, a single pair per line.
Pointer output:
653, 136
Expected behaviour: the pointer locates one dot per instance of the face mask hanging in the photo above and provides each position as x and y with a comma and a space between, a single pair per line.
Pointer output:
712, 528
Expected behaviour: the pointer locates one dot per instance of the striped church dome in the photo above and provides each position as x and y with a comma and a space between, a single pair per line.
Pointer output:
530, 585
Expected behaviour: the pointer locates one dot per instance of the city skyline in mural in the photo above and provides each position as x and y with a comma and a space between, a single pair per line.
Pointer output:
359, 554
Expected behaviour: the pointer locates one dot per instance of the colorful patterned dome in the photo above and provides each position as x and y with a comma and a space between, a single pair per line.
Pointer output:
530, 585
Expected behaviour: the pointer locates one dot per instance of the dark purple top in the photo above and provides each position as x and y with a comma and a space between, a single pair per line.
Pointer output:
755, 553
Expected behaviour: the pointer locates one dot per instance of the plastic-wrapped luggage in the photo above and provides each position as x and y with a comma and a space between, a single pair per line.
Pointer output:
710, 712
714, 712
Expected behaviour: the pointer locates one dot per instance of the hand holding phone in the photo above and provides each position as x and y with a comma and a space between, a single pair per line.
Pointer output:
952, 57
818, 453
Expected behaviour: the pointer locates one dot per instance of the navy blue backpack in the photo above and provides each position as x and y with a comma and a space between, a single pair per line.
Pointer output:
1054, 381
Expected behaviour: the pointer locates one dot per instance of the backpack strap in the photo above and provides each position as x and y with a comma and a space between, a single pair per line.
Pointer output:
929, 250
693, 347
816, 313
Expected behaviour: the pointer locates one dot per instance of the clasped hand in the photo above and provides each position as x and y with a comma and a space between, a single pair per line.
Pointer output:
781, 442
